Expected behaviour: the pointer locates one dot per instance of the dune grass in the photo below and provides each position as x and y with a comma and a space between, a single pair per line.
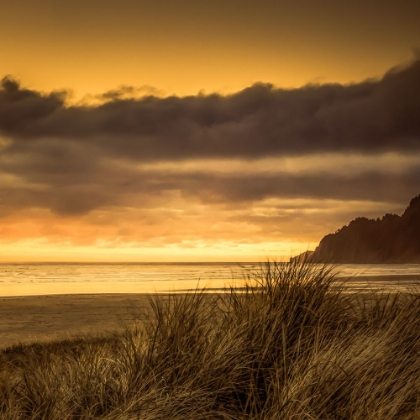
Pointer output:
291, 345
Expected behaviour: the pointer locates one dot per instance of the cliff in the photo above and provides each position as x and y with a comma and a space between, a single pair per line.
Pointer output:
390, 239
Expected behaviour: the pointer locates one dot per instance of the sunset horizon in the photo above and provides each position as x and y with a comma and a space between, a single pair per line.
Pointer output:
26, 235
202, 131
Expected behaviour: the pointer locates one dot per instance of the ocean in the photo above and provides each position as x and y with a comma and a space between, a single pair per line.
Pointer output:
26, 279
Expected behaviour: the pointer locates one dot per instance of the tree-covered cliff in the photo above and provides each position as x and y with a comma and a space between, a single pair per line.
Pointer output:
390, 239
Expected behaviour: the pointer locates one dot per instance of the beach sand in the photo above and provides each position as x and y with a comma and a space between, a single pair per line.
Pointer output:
42, 318
28, 319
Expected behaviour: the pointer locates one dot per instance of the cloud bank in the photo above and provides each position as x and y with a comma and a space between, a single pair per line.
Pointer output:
153, 154
373, 116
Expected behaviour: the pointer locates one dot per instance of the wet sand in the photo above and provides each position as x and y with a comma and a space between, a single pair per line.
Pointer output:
42, 318
28, 319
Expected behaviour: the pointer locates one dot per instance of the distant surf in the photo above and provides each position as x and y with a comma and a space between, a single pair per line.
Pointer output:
77, 278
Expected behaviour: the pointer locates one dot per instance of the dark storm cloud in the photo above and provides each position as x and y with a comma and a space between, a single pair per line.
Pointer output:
372, 116
74, 184
21, 108
75, 159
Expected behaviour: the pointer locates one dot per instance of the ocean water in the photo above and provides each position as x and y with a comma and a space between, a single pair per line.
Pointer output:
67, 278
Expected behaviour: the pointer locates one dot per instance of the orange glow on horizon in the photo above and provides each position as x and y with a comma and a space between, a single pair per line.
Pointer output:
196, 187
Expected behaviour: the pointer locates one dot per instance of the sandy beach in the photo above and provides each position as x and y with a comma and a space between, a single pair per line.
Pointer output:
27, 319
41, 318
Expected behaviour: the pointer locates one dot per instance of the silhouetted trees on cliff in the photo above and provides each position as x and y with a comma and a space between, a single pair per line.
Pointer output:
390, 239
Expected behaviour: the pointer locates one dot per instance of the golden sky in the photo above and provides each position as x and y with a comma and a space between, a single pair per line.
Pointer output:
185, 46
202, 130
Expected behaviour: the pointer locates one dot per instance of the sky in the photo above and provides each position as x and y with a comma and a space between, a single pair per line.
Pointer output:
202, 130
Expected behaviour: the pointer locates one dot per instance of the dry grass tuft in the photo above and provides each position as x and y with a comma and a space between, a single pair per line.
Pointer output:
290, 345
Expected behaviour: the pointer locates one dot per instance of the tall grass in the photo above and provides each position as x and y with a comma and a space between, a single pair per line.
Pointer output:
290, 345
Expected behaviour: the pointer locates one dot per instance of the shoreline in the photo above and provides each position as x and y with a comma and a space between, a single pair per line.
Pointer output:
45, 317
99, 288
